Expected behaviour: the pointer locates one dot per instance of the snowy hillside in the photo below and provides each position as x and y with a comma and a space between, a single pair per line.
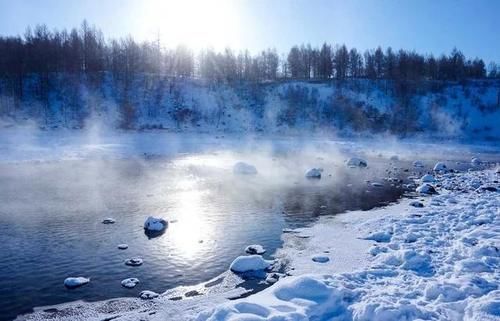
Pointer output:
448, 110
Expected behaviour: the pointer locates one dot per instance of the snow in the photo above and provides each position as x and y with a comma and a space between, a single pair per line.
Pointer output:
255, 249
130, 283
74, 282
356, 162
249, 263
440, 166
154, 224
439, 264
314, 173
242, 168
134, 261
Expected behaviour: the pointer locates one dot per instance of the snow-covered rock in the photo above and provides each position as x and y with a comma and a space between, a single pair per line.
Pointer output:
416, 204
122, 246
427, 178
418, 163
440, 167
242, 168
314, 173
148, 295
154, 224
255, 249
108, 220
356, 162
130, 283
426, 189
475, 161
134, 261
74, 282
249, 263
380, 237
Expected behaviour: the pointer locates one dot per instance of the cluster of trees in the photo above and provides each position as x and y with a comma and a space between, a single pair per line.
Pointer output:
84, 50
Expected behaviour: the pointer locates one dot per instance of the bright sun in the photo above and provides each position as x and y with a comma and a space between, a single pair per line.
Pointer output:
195, 23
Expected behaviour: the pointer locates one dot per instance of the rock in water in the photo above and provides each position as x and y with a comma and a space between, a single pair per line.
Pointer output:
130, 283
356, 162
314, 173
122, 246
255, 249
134, 261
242, 168
108, 220
426, 189
440, 167
154, 227
148, 295
249, 263
74, 282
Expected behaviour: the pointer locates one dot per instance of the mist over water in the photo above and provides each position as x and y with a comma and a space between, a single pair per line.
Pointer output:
57, 187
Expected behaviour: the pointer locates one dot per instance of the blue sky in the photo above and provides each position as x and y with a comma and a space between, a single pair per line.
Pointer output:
424, 25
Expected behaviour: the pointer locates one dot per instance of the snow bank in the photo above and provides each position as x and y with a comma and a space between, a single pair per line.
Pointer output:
249, 263
433, 263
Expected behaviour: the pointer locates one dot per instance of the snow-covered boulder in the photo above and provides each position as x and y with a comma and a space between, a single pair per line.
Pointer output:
255, 249
314, 173
418, 163
148, 295
134, 261
440, 167
108, 220
130, 283
427, 178
242, 168
416, 204
249, 263
74, 282
272, 278
426, 189
476, 161
122, 246
356, 162
155, 225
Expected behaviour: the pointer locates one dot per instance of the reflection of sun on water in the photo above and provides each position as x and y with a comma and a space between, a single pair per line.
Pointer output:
191, 226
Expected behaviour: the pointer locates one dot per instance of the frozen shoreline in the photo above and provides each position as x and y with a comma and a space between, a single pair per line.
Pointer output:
442, 262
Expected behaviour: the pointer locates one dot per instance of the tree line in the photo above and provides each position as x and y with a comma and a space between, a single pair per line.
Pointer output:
84, 50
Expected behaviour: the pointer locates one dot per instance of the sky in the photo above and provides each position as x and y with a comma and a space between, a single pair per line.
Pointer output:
427, 26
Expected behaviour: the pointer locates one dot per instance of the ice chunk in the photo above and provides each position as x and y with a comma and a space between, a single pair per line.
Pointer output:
134, 261
427, 178
249, 263
74, 282
130, 283
356, 162
426, 189
320, 259
243, 168
108, 220
255, 249
148, 295
314, 173
154, 224
122, 246
440, 167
